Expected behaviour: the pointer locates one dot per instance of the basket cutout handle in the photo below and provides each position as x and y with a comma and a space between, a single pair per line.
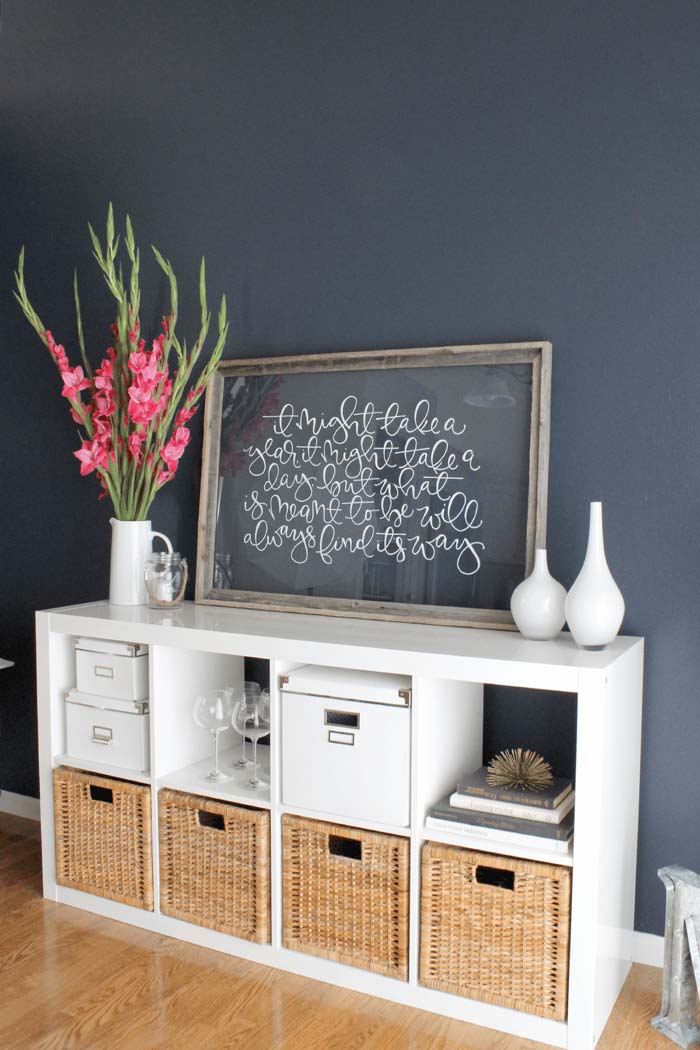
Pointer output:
339, 846
502, 878
100, 794
211, 820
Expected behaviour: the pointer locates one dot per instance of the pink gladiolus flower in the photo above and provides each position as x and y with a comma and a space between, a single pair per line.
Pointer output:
91, 455
103, 429
165, 475
134, 444
174, 449
142, 411
133, 335
151, 376
137, 361
104, 405
104, 376
184, 416
162, 402
145, 368
73, 382
57, 352
138, 394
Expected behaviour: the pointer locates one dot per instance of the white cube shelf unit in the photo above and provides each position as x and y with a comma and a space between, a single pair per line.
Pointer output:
197, 647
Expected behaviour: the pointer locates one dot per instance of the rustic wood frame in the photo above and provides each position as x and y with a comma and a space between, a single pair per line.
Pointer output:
537, 354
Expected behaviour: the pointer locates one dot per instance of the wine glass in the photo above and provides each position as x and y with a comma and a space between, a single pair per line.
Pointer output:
252, 718
213, 711
250, 691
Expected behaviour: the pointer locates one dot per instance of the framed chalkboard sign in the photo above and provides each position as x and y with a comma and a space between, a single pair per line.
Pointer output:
389, 484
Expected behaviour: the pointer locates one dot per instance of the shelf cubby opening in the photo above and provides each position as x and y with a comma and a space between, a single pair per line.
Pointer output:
493, 719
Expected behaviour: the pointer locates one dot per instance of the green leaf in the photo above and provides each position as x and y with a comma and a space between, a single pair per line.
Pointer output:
79, 321
165, 266
96, 246
130, 244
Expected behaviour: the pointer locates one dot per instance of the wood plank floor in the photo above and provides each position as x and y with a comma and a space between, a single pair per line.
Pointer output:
74, 981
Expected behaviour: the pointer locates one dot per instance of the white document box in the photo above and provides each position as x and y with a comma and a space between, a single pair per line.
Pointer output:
346, 743
103, 730
113, 669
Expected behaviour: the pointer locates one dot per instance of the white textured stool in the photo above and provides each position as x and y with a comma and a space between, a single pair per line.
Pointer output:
681, 980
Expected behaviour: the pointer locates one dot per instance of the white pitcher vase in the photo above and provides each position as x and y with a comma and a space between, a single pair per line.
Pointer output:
594, 606
132, 542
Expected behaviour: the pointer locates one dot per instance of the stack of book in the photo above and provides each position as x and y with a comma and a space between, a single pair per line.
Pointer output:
476, 811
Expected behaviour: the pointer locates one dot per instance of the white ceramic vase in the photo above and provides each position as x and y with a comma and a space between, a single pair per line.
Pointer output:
132, 542
537, 603
595, 607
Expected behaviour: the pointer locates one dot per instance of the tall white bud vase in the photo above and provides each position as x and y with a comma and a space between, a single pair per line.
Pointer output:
132, 542
595, 607
538, 602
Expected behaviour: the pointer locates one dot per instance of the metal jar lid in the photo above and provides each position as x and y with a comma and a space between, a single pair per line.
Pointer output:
165, 558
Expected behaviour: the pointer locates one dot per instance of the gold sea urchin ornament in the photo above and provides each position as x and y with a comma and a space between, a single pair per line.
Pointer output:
520, 770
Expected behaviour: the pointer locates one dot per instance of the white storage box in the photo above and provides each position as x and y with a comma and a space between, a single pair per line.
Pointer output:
346, 743
113, 669
103, 730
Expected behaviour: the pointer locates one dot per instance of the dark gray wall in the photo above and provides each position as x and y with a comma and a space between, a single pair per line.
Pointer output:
377, 174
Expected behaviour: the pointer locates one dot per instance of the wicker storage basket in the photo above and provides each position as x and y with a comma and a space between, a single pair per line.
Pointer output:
103, 836
345, 895
215, 865
496, 929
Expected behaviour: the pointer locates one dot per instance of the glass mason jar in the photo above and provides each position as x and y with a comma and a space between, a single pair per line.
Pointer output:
166, 579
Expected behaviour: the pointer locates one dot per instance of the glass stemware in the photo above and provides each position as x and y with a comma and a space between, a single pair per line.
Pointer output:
251, 718
250, 691
213, 711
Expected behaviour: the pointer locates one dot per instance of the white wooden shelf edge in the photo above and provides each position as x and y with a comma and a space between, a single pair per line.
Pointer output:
504, 849
193, 779
350, 822
450, 652
104, 769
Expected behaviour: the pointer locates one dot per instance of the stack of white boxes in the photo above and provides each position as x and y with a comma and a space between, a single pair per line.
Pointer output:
107, 717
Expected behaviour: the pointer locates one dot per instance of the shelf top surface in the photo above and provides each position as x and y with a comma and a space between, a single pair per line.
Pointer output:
379, 636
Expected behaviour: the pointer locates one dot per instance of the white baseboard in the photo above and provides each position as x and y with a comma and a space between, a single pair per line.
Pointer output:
19, 805
647, 948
